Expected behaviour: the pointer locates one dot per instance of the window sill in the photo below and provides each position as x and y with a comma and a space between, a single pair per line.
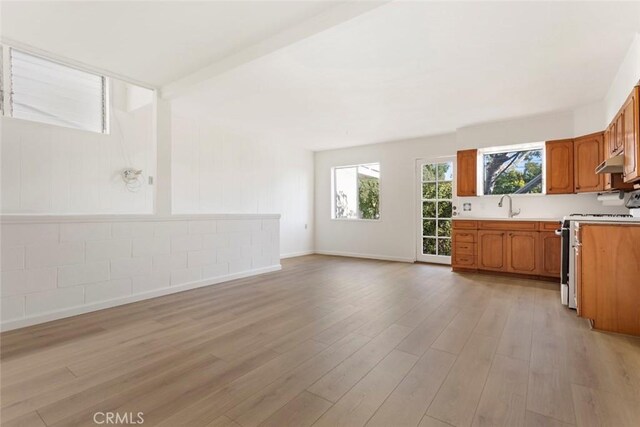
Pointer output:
513, 195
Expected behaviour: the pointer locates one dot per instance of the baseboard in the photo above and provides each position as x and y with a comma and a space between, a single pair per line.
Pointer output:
295, 254
74, 311
367, 256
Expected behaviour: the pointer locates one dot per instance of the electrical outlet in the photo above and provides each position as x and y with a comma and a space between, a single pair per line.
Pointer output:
150, 180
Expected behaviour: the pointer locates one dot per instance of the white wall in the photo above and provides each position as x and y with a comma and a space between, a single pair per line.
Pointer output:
217, 172
55, 170
55, 267
627, 77
589, 118
394, 235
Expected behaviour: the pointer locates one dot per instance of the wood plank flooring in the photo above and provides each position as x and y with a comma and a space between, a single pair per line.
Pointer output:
328, 341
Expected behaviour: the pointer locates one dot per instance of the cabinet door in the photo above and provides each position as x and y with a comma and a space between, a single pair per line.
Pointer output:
559, 166
631, 138
613, 181
610, 140
467, 164
587, 154
492, 250
522, 252
550, 254
607, 150
609, 291
617, 140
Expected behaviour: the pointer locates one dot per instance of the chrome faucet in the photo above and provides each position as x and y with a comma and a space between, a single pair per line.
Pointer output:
512, 213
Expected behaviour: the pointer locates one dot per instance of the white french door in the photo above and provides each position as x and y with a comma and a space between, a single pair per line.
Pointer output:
436, 189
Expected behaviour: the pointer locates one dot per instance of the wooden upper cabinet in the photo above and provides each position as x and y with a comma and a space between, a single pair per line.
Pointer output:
492, 250
613, 181
467, 173
631, 137
587, 154
522, 252
610, 140
617, 143
559, 173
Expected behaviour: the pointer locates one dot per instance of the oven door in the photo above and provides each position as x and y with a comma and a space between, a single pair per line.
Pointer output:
564, 233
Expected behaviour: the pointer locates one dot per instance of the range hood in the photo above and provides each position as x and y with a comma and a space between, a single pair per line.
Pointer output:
611, 165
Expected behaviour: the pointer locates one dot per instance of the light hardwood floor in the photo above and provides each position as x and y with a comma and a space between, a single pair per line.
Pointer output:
329, 342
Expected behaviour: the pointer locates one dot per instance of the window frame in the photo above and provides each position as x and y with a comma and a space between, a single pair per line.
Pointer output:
7, 88
531, 146
333, 192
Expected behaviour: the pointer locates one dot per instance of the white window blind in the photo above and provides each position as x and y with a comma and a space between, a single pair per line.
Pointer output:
48, 92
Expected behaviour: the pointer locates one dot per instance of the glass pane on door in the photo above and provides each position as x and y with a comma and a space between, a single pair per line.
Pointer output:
437, 208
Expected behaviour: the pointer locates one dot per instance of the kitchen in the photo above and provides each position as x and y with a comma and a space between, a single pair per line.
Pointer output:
595, 255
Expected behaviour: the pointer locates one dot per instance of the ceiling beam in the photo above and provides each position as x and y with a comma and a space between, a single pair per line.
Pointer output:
334, 16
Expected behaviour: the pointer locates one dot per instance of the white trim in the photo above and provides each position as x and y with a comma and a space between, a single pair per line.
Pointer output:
528, 146
417, 180
39, 219
367, 256
72, 63
435, 259
74, 311
333, 191
296, 254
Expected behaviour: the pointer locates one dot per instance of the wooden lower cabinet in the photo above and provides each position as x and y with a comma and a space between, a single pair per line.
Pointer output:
608, 292
550, 254
464, 246
492, 250
527, 248
522, 252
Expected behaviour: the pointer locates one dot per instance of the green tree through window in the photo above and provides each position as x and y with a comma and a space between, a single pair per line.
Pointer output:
437, 208
514, 172
369, 197
356, 192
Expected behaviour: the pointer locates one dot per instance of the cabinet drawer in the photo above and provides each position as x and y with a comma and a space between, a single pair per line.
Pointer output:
464, 236
508, 225
465, 224
549, 225
464, 260
463, 248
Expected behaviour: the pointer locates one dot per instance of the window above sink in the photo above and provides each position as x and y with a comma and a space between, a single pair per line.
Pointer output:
514, 169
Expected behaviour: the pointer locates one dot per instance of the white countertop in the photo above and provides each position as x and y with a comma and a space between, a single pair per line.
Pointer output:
517, 218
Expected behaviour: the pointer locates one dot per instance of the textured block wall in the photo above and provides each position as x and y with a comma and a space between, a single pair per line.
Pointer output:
64, 266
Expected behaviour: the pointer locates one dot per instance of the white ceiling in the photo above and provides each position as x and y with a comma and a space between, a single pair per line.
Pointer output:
401, 70
155, 42
405, 70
